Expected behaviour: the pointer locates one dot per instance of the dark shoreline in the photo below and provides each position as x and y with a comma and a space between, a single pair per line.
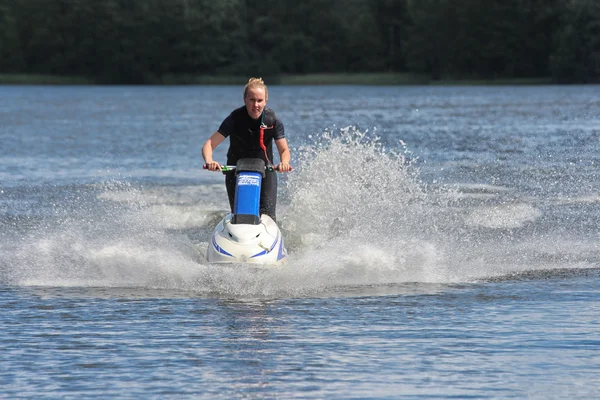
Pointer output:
372, 79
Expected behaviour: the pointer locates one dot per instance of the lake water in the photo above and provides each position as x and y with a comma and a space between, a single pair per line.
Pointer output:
443, 243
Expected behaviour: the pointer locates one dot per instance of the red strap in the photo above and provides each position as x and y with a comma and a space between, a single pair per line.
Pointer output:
262, 142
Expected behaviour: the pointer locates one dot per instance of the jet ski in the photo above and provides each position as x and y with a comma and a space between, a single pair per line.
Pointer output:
244, 236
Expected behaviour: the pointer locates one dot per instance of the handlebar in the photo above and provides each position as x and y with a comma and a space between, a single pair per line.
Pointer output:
224, 168
229, 168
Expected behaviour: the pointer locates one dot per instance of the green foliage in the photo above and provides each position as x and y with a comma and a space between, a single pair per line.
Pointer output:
10, 46
577, 57
482, 39
166, 41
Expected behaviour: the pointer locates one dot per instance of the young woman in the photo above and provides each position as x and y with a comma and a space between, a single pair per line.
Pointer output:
252, 129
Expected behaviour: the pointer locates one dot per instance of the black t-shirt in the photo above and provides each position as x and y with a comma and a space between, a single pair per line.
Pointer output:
244, 134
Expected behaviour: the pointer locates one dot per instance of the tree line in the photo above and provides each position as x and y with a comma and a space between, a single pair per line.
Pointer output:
134, 41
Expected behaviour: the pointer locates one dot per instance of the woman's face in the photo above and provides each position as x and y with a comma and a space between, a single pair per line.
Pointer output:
255, 101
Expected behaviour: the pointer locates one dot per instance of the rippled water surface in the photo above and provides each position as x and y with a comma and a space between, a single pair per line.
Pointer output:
443, 243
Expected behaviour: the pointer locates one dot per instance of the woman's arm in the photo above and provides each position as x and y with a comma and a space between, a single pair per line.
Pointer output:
207, 151
284, 155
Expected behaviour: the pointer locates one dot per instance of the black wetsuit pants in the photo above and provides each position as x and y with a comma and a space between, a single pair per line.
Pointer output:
268, 192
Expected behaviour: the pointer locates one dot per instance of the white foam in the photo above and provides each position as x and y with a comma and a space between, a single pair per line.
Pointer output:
587, 199
358, 215
504, 216
211, 194
479, 191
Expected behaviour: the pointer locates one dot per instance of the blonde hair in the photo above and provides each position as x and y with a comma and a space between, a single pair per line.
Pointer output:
256, 83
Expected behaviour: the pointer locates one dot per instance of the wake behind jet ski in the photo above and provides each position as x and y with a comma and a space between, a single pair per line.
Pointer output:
244, 236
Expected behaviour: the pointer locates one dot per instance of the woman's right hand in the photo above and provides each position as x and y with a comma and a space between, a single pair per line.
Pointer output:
212, 166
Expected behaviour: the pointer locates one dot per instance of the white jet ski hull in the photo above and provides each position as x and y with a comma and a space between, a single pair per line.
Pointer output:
260, 244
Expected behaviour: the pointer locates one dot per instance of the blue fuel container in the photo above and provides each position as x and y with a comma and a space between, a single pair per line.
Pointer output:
247, 194
246, 204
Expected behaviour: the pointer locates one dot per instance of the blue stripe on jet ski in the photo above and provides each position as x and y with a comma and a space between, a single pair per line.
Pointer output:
218, 248
282, 252
262, 253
